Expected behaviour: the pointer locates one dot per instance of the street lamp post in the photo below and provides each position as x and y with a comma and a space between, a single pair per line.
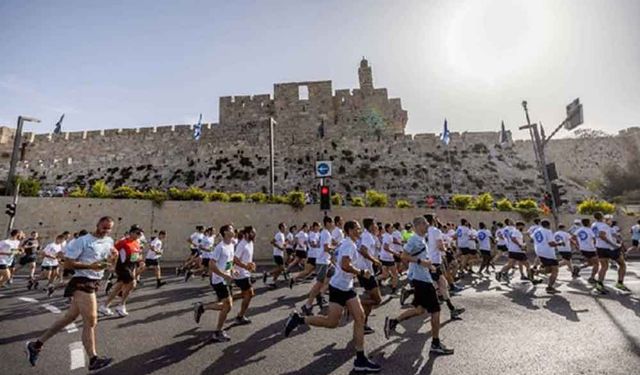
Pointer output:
17, 141
272, 123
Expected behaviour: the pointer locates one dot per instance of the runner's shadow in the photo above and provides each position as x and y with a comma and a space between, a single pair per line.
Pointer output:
157, 359
561, 306
523, 298
156, 317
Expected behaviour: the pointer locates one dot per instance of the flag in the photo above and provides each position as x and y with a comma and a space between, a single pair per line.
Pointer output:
58, 128
197, 129
445, 136
503, 135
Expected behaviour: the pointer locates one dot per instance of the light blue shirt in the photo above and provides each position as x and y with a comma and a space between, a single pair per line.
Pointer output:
87, 250
417, 247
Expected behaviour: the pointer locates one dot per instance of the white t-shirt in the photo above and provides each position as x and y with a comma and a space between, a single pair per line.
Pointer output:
472, 239
337, 235
387, 239
340, 279
51, 252
635, 232
462, 237
195, 239
244, 252
586, 240
433, 236
323, 256
532, 229
155, 244
369, 242
302, 240
8, 246
314, 239
514, 239
223, 256
564, 238
500, 241
598, 227
279, 239
206, 246
541, 238
484, 239
290, 241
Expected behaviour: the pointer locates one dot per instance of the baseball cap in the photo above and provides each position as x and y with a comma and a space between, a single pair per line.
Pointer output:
136, 228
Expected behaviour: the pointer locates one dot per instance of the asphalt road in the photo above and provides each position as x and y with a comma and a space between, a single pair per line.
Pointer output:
506, 330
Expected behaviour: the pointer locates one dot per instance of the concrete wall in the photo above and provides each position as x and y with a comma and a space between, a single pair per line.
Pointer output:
51, 216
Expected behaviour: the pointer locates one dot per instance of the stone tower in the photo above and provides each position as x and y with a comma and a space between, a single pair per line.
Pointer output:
365, 76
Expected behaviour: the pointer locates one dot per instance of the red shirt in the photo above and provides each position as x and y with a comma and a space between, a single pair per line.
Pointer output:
129, 250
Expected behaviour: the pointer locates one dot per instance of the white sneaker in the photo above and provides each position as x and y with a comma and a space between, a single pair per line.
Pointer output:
122, 310
104, 310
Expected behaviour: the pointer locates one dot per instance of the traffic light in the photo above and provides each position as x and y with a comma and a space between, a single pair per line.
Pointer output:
325, 198
558, 192
11, 209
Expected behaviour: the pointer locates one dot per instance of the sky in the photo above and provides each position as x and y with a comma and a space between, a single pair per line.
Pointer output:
124, 64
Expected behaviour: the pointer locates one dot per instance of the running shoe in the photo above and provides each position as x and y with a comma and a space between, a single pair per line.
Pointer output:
122, 311
600, 288
32, 352
198, 310
104, 310
220, 336
498, 276
108, 287
365, 365
308, 311
455, 313
35, 285
576, 272
294, 321
440, 349
320, 301
264, 278
178, 270
552, 290
30, 284
622, 287
368, 330
50, 290
99, 362
389, 327
591, 280
242, 320
291, 283
188, 275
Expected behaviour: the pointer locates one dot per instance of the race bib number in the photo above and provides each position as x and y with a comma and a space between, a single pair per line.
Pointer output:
134, 257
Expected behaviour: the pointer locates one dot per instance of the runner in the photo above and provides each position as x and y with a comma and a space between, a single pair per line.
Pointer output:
290, 241
425, 297
387, 259
341, 296
128, 260
50, 264
205, 249
313, 240
9, 248
463, 242
322, 264
586, 244
243, 266
635, 236
565, 242
300, 246
279, 243
544, 244
30, 247
607, 248
153, 255
194, 242
364, 261
517, 254
501, 243
88, 256
484, 243
220, 264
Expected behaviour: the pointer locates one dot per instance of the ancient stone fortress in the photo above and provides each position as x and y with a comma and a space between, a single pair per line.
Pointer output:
361, 130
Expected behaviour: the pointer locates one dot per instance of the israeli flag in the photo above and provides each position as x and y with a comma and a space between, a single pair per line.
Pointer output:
58, 128
445, 136
197, 129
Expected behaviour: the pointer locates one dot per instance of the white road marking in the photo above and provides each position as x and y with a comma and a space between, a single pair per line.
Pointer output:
51, 308
27, 299
77, 355
71, 328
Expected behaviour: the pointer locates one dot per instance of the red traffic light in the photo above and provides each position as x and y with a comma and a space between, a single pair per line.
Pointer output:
324, 190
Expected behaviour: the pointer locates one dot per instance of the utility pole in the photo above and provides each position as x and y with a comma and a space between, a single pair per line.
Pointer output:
272, 122
15, 207
17, 141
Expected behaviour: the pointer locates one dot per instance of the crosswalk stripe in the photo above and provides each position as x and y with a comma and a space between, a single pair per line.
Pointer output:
28, 299
77, 355
51, 308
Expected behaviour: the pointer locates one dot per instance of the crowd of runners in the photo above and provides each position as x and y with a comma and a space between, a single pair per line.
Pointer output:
426, 259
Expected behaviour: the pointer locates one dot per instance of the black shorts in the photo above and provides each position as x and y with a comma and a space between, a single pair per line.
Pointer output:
222, 290
243, 284
518, 256
278, 260
195, 252
436, 275
566, 255
4, 266
608, 253
369, 283
48, 268
485, 253
635, 242
467, 251
548, 262
450, 257
151, 262
205, 262
424, 295
311, 261
26, 259
83, 284
588, 254
125, 272
502, 247
289, 252
340, 296
301, 254
387, 263
397, 259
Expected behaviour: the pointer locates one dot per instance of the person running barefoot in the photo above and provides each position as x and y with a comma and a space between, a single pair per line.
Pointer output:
88, 256
220, 264
342, 295
425, 298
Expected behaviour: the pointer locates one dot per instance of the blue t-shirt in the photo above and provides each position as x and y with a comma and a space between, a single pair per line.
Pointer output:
417, 247
87, 250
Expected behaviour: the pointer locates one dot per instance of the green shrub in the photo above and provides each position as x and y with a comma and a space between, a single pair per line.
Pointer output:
194, 193
278, 199
78, 192
526, 204
100, 190
527, 208
483, 202
258, 197
126, 192
218, 196
237, 197
336, 199
461, 201
357, 202
157, 196
403, 203
29, 187
176, 194
296, 199
376, 199
504, 205
591, 206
